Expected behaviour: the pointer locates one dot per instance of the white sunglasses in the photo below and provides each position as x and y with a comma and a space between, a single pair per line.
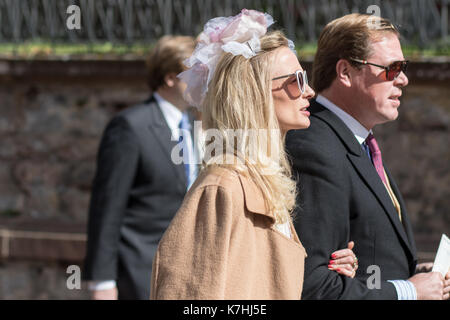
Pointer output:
302, 79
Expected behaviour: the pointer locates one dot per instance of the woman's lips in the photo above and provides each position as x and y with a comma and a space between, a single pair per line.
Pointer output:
304, 108
305, 111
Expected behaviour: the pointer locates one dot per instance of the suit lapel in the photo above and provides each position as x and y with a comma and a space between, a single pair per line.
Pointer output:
405, 217
158, 125
365, 168
370, 176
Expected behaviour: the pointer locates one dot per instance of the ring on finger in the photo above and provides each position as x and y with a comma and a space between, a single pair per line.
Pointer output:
355, 262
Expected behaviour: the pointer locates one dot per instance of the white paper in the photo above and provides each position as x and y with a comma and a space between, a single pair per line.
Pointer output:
442, 260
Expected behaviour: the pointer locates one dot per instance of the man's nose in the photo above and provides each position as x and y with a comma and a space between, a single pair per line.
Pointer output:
401, 80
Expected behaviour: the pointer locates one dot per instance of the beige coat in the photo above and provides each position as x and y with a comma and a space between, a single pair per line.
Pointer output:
222, 244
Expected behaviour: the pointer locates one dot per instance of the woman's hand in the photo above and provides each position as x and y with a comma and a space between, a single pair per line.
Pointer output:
344, 261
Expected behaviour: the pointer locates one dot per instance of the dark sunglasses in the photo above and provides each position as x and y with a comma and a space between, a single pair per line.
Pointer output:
392, 71
302, 80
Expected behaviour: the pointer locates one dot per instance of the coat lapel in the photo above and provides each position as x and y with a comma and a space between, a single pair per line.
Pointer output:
254, 203
365, 169
373, 181
161, 131
254, 200
405, 217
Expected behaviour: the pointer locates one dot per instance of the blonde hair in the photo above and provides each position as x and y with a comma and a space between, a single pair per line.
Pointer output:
167, 57
239, 97
344, 38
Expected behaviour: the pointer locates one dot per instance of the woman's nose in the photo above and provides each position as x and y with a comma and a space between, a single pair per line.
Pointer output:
309, 93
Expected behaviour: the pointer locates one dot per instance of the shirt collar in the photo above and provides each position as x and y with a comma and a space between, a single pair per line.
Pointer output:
355, 127
171, 113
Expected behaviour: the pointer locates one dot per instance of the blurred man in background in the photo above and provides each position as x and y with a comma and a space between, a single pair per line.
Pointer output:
137, 187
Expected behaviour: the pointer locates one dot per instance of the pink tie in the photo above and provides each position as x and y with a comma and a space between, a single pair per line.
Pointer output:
376, 157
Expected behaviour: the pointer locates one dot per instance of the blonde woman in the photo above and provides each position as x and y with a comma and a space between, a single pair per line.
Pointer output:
233, 237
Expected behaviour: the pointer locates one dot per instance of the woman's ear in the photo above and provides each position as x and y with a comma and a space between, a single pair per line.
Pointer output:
344, 72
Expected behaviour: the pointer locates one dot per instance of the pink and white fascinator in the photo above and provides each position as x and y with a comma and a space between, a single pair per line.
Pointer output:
238, 35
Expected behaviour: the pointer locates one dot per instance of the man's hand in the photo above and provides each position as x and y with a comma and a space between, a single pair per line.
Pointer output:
429, 286
109, 294
447, 286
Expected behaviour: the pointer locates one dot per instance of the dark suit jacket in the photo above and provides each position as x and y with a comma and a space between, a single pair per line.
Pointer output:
136, 192
342, 198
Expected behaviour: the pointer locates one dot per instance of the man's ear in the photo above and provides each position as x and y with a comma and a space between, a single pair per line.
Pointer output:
170, 79
343, 72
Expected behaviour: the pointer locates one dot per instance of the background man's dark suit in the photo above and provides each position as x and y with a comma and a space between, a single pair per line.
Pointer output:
342, 198
136, 192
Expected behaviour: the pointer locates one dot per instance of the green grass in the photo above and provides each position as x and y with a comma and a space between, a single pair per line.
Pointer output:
414, 53
45, 50
307, 51
10, 213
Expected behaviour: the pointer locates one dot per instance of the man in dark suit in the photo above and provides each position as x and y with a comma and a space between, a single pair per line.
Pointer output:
345, 191
138, 188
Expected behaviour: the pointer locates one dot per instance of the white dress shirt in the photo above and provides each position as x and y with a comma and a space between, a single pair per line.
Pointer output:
360, 132
405, 289
173, 117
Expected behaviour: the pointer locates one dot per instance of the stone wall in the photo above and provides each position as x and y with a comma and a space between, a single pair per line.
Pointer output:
36, 280
417, 149
52, 115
